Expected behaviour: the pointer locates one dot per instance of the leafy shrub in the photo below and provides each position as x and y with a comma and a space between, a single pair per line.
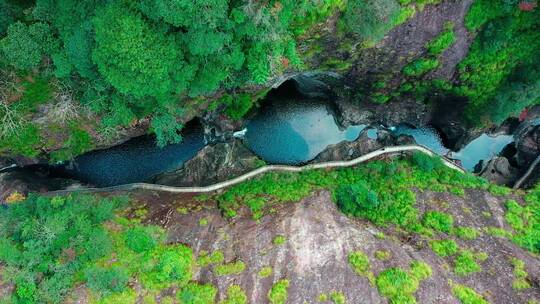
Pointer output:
397, 285
279, 292
106, 281
439, 221
420, 270
279, 240
175, 264
525, 221
444, 248
265, 272
230, 268
79, 142
467, 295
194, 293
371, 20
420, 67
139, 239
235, 295
520, 275
238, 106
438, 45
465, 263
382, 255
65, 234
357, 200
426, 162
360, 262
206, 259
466, 233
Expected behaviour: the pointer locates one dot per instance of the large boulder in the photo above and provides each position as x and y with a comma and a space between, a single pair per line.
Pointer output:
212, 164
499, 170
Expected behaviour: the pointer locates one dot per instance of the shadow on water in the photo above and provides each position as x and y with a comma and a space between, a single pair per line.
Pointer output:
136, 160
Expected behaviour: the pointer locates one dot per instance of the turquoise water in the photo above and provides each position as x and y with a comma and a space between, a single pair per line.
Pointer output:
484, 148
294, 132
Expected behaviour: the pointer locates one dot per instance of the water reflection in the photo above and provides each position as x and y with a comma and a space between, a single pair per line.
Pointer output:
292, 132
484, 148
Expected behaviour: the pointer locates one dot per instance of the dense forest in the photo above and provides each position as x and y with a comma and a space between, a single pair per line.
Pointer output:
91, 68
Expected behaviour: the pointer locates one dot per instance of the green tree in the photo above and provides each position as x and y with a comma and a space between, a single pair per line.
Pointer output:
25, 45
134, 56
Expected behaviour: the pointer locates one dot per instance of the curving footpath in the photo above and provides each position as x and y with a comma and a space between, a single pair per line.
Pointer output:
528, 173
279, 168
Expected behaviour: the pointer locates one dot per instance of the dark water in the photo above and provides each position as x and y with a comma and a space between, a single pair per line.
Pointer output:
134, 161
293, 132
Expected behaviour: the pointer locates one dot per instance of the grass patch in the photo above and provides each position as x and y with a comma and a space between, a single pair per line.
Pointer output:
420, 67
439, 221
444, 248
279, 292
520, 275
235, 295
467, 295
195, 293
525, 221
279, 240
399, 285
236, 267
382, 255
466, 233
438, 45
206, 259
265, 272
465, 263
338, 297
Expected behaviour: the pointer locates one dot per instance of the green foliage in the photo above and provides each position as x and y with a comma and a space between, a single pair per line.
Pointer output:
265, 272
337, 297
444, 248
194, 293
238, 106
279, 292
25, 45
525, 221
235, 295
79, 141
382, 255
106, 281
9, 12
25, 142
426, 162
465, 263
438, 45
232, 268
167, 128
520, 275
397, 285
420, 67
467, 295
420, 270
501, 62
140, 239
279, 240
499, 190
133, 56
206, 259
51, 239
360, 262
439, 221
371, 20
35, 93
466, 233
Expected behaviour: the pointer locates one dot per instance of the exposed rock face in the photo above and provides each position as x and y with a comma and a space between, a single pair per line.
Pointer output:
499, 171
212, 164
364, 144
319, 238
528, 149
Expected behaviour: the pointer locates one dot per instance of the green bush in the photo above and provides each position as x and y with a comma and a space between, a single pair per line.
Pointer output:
371, 20
194, 293
438, 45
439, 221
106, 281
467, 295
360, 262
444, 248
235, 295
466, 233
230, 268
279, 292
520, 275
139, 239
420, 67
397, 285
465, 263
525, 221
426, 162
